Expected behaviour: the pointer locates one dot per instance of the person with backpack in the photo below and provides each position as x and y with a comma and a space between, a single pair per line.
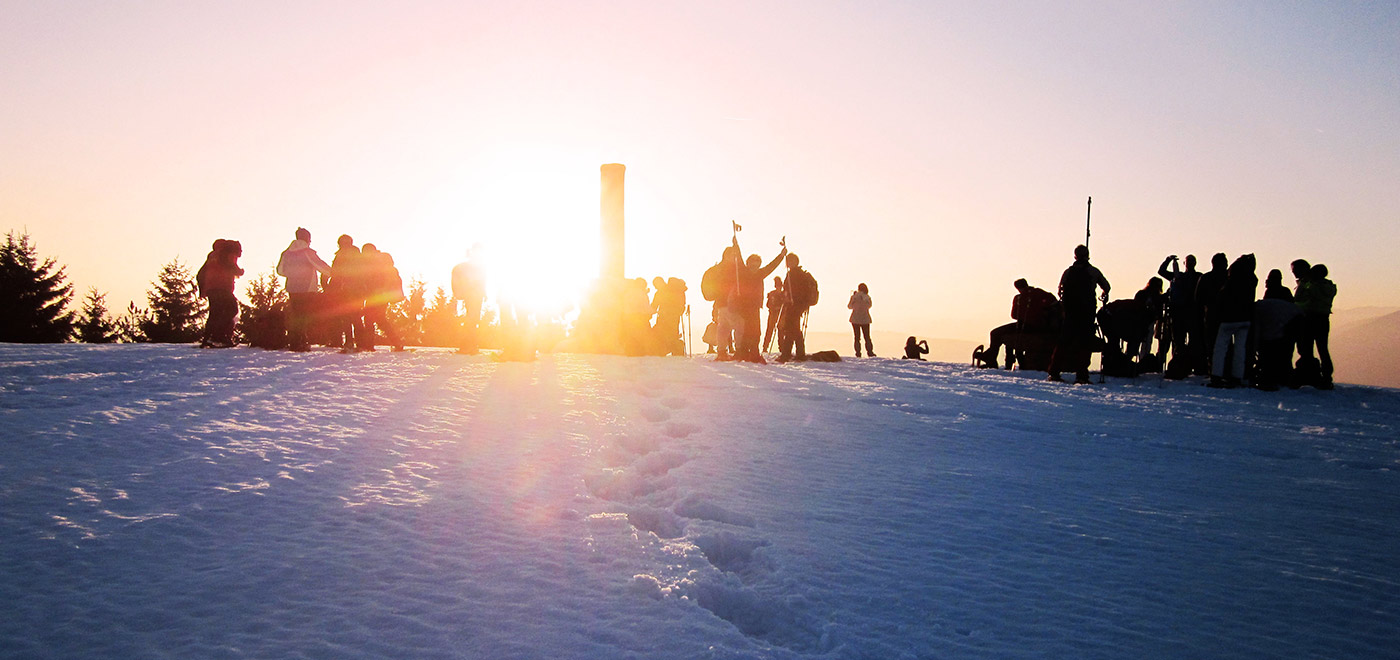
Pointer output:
384, 286
802, 294
1077, 334
1314, 297
859, 305
669, 305
718, 285
215, 281
300, 265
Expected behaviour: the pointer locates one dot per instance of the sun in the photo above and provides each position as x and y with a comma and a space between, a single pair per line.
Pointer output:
532, 213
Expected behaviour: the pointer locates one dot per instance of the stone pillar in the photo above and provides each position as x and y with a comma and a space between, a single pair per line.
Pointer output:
612, 239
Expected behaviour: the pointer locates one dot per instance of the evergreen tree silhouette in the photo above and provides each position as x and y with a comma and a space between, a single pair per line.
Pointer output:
263, 321
95, 325
33, 295
176, 311
129, 324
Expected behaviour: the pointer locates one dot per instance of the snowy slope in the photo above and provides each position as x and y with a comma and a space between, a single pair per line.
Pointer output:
161, 501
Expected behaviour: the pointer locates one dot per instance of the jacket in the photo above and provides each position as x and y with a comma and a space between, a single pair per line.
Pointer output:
860, 308
299, 264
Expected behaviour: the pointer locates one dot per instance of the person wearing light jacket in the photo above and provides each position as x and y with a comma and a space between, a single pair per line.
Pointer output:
301, 267
860, 317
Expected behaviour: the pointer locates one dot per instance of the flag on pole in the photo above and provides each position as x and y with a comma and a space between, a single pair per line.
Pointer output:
737, 227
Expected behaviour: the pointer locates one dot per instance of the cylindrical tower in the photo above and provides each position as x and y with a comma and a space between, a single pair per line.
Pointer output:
612, 238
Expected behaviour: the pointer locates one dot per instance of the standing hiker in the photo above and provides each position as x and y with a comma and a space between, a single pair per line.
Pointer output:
859, 305
1077, 335
469, 286
1183, 314
299, 265
345, 291
215, 280
384, 286
802, 294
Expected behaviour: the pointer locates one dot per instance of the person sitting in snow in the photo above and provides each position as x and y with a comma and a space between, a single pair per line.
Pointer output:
915, 349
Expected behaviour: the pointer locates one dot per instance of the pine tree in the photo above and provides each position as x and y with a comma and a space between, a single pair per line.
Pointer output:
442, 325
129, 324
96, 326
263, 321
409, 313
33, 296
176, 310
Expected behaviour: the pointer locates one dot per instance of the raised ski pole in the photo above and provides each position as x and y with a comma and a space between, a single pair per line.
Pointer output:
688, 352
1088, 215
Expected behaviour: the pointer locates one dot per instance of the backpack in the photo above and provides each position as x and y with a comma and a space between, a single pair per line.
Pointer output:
804, 289
711, 282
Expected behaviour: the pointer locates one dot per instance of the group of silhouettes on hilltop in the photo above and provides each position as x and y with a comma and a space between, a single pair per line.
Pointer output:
1211, 323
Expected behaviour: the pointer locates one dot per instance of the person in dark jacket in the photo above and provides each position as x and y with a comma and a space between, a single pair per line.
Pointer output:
1275, 330
1207, 308
345, 292
1031, 311
215, 280
1235, 306
383, 287
915, 348
669, 305
469, 287
1077, 334
1184, 316
1314, 296
801, 294
1274, 288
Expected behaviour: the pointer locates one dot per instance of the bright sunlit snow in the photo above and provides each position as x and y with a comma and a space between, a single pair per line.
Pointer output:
162, 501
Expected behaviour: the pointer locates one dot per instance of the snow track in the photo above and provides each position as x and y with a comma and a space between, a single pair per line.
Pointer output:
159, 501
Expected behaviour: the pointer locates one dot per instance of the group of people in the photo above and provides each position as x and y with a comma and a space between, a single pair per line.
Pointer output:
1213, 323
736, 287
353, 293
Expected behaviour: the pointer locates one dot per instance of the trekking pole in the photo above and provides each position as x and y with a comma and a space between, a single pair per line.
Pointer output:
1088, 214
687, 331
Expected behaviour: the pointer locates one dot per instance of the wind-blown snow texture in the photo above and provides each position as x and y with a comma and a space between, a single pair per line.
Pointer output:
161, 501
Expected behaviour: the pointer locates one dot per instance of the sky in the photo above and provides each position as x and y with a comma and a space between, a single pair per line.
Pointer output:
935, 151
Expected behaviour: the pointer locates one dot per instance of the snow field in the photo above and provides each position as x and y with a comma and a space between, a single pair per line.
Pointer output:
161, 501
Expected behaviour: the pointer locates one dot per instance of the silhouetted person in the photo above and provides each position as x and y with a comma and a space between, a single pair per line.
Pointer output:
915, 349
384, 286
1184, 313
860, 317
299, 265
215, 280
1236, 312
801, 294
1031, 311
345, 290
469, 286
1208, 308
749, 300
1274, 288
720, 284
774, 303
1277, 323
1077, 336
1153, 303
669, 305
636, 318
1314, 296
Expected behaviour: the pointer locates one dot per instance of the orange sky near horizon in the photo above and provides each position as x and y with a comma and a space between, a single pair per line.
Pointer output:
936, 151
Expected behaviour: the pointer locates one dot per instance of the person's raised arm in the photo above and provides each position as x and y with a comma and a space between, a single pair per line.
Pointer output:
773, 265
1165, 274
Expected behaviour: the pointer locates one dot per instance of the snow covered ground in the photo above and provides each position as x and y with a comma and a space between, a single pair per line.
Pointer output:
167, 502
